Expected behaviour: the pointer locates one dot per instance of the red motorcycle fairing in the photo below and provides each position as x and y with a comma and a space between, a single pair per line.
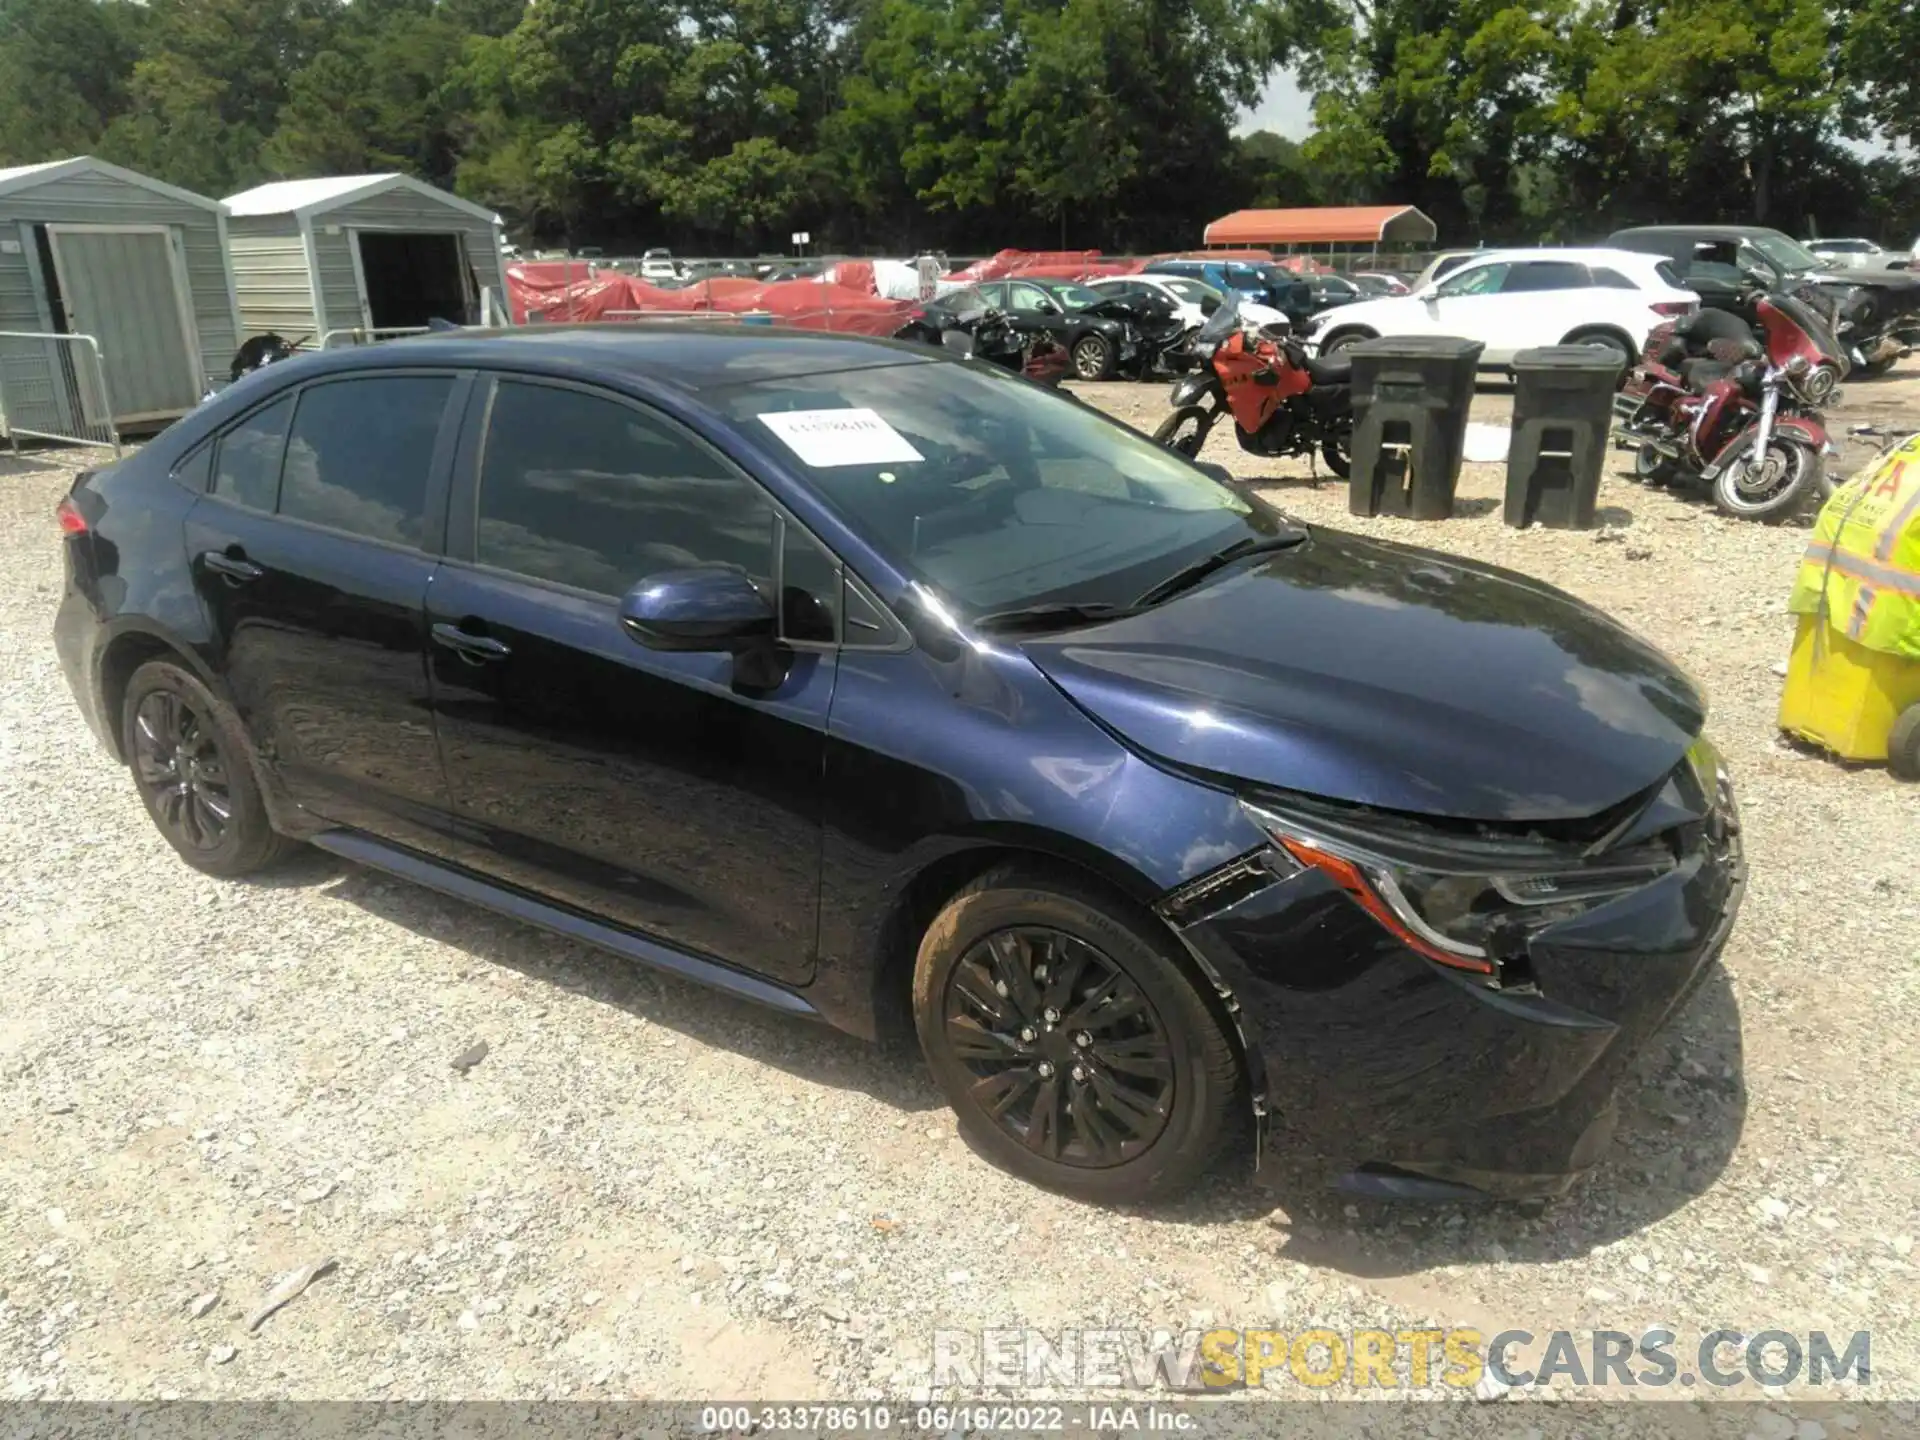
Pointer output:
1257, 380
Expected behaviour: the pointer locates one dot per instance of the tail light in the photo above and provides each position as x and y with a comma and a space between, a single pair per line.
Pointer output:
1673, 307
72, 522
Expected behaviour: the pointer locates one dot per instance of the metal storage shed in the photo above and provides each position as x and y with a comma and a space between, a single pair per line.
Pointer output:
87, 248
315, 260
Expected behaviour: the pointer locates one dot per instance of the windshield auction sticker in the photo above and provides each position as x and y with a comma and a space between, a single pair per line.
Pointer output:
825, 439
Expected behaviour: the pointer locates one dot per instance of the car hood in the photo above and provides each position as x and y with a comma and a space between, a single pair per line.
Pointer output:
1374, 673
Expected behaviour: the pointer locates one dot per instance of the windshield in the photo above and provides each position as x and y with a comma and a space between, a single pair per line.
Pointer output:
1783, 254
1809, 320
992, 492
1219, 327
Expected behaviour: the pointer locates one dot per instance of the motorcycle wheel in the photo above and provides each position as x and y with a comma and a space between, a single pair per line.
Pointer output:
1650, 467
1337, 451
1875, 369
1771, 493
1185, 430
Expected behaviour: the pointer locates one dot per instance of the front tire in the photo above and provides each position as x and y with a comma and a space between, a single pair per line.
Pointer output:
1093, 357
194, 775
1072, 1043
1771, 493
1185, 431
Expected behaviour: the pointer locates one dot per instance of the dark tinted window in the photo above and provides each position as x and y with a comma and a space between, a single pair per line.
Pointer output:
590, 492
359, 454
194, 471
809, 589
1545, 275
1611, 279
248, 470
1668, 274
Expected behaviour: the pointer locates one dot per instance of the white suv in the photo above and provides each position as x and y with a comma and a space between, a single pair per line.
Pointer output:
1512, 300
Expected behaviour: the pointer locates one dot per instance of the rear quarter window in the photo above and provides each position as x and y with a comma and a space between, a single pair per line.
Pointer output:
1669, 274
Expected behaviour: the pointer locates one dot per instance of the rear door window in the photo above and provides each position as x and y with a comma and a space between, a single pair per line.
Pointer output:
1611, 279
247, 470
1535, 275
360, 455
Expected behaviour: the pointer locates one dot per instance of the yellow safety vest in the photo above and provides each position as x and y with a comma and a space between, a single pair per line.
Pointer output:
1861, 573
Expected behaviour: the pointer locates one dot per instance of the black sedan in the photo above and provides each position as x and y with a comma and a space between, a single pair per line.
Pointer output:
1099, 333
864, 683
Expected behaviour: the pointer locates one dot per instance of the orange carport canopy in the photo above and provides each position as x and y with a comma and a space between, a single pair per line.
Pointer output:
1372, 224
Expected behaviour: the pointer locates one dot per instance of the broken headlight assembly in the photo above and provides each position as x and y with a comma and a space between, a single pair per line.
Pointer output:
1468, 901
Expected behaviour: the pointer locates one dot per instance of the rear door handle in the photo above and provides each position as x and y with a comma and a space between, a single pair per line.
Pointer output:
468, 646
231, 566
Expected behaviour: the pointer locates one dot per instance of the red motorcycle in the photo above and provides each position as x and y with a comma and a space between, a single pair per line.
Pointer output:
1283, 400
1709, 404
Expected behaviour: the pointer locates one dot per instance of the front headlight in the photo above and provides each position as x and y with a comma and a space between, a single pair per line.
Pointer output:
1468, 903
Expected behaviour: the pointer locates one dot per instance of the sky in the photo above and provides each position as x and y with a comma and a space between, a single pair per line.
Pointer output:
1282, 108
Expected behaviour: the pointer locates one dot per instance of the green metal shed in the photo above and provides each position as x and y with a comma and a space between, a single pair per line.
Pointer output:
89, 248
352, 255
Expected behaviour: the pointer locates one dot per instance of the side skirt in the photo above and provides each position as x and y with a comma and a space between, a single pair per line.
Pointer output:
464, 885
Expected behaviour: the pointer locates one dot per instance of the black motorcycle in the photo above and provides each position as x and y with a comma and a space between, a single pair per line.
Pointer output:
263, 350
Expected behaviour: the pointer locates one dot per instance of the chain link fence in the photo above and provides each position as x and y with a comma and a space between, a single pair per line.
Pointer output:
54, 387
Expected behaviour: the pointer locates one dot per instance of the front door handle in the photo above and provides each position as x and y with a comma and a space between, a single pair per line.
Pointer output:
469, 646
232, 567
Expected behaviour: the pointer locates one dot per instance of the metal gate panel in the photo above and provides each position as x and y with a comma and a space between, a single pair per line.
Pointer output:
123, 286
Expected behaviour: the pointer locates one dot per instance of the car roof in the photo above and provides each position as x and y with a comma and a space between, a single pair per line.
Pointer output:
1579, 255
692, 356
1682, 232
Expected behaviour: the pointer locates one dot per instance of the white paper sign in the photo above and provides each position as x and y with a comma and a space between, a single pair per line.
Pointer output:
826, 438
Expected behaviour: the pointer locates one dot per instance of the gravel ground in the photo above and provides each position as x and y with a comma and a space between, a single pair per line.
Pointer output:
647, 1190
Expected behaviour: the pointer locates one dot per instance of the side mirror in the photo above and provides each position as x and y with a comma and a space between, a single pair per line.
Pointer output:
714, 607
1045, 307
1214, 470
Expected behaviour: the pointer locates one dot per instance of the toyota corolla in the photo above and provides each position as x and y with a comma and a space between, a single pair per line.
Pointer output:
881, 687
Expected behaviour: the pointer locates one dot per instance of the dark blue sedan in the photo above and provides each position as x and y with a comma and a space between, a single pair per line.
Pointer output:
885, 688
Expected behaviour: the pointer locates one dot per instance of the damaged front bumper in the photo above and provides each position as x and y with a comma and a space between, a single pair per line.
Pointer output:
1423, 1081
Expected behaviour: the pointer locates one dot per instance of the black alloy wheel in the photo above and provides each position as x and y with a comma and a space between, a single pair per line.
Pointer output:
191, 765
1077, 1046
179, 767
1071, 1059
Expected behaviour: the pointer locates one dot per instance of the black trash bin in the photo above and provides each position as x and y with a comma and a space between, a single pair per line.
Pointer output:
1562, 415
1410, 400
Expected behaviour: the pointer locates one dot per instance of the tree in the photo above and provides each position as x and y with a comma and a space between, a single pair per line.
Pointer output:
65, 70
207, 91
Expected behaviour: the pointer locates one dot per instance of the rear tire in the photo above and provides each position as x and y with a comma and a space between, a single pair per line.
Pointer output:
1337, 451
1185, 431
1772, 496
1345, 340
1876, 369
192, 768
1650, 467
1619, 348
1132, 1087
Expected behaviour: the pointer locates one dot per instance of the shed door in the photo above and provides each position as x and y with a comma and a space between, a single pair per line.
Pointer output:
122, 288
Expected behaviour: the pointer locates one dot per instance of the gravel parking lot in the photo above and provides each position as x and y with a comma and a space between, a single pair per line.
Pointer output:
648, 1190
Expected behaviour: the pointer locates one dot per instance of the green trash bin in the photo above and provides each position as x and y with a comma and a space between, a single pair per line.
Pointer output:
1562, 416
1411, 394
